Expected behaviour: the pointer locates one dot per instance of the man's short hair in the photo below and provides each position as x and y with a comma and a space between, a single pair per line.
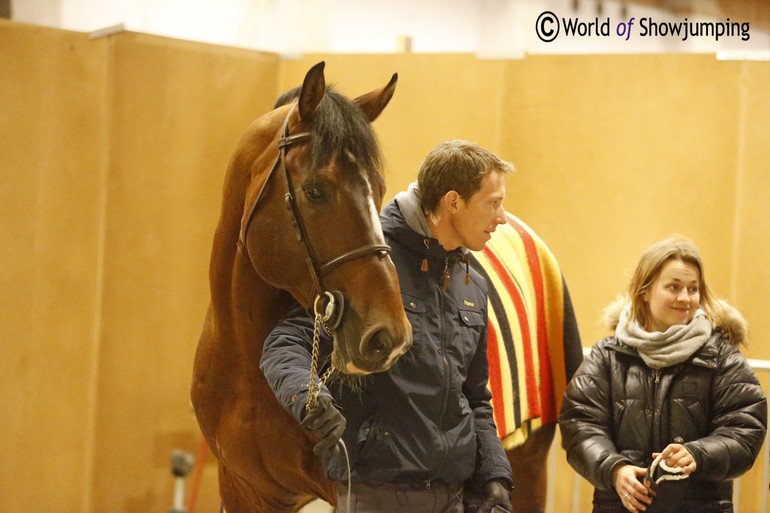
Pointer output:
459, 166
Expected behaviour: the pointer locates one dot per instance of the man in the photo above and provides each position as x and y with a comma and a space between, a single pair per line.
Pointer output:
417, 433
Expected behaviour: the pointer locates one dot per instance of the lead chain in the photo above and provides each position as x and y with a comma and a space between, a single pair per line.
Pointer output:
314, 387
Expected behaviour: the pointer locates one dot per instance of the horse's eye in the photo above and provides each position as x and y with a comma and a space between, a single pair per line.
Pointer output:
314, 193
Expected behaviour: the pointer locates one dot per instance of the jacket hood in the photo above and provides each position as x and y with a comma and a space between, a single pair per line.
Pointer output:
727, 318
393, 221
395, 226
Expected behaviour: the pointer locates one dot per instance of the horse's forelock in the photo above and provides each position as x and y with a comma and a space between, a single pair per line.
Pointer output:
339, 128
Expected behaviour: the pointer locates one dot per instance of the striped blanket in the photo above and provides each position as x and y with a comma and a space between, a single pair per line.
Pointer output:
533, 343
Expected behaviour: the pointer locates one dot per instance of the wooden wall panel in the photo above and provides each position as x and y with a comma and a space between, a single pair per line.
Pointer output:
177, 110
616, 152
751, 239
52, 168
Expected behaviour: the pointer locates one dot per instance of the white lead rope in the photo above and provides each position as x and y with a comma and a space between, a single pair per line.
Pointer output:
350, 485
675, 473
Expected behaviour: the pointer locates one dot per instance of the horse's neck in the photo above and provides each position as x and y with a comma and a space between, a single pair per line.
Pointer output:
249, 306
241, 300
264, 303
244, 307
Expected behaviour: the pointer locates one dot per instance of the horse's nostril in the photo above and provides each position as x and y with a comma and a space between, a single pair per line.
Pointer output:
376, 345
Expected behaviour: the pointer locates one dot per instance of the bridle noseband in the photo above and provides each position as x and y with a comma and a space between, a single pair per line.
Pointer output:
330, 302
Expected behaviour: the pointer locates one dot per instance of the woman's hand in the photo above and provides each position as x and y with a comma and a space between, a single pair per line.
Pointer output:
676, 456
633, 494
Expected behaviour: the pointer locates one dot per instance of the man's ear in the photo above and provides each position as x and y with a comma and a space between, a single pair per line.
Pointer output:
451, 201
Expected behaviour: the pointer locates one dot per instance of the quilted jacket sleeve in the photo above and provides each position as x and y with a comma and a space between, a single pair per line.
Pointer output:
286, 358
586, 418
738, 420
491, 461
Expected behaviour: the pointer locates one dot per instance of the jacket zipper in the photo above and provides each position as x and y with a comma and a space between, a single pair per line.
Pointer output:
656, 420
446, 371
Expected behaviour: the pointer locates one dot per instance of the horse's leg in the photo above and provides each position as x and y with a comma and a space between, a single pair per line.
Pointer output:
529, 464
238, 497
233, 499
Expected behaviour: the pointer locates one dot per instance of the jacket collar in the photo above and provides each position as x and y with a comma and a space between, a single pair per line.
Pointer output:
395, 227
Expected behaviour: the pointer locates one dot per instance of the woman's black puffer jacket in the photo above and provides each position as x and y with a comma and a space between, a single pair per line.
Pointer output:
619, 410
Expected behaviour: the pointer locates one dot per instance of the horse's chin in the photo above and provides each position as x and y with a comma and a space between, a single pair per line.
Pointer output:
347, 366
351, 368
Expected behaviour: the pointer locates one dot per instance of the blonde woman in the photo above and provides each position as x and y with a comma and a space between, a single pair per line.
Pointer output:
670, 382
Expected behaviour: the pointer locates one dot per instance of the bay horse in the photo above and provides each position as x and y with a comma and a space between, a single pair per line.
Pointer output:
299, 222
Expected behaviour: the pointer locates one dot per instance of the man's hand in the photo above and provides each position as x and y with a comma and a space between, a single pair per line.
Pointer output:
326, 421
495, 494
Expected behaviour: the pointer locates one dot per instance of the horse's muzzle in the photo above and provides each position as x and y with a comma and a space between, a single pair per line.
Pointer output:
377, 351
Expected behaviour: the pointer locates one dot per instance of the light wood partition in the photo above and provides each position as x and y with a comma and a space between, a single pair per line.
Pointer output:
177, 109
53, 166
113, 158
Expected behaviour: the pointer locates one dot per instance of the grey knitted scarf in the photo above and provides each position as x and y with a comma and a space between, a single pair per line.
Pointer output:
664, 349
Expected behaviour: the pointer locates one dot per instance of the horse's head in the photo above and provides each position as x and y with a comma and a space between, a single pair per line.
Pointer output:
314, 229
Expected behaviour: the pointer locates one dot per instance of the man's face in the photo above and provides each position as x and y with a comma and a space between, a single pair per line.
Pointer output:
475, 220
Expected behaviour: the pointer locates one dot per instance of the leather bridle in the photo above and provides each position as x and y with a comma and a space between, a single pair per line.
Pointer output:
332, 310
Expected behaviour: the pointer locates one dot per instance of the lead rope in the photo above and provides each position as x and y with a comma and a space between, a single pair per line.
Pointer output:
314, 388
347, 461
675, 474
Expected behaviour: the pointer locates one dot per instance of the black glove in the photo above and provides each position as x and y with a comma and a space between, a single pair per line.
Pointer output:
497, 495
326, 421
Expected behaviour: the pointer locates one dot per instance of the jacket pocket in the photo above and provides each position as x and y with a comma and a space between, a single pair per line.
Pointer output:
698, 414
471, 323
471, 318
375, 444
366, 435
415, 312
688, 419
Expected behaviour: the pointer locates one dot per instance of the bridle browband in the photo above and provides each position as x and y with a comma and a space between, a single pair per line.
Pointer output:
317, 269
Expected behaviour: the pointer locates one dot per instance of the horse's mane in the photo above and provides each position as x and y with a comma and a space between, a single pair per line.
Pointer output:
340, 128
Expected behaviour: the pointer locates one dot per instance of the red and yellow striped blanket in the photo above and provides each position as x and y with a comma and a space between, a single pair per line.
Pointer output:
533, 342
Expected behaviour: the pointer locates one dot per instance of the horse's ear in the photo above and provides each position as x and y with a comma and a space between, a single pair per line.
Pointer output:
313, 90
374, 102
